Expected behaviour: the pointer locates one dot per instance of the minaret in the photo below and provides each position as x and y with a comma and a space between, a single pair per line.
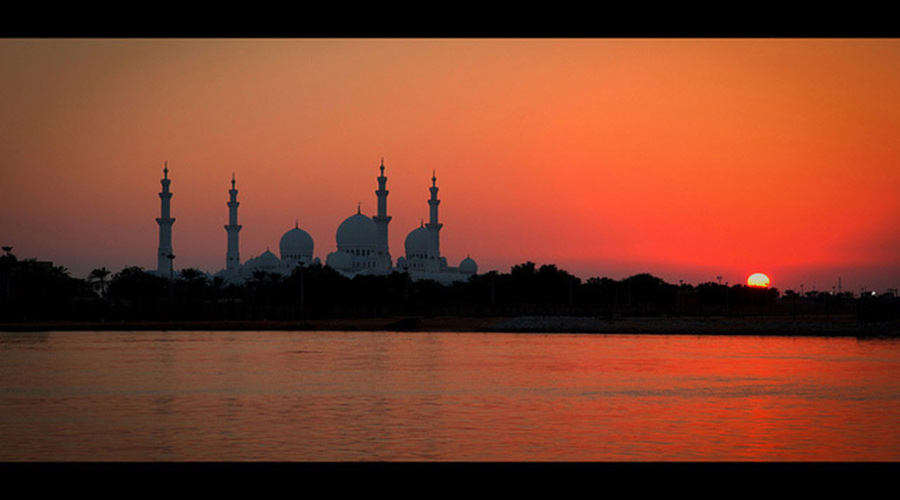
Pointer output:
164, 256
233, 257
434, 227
382, 219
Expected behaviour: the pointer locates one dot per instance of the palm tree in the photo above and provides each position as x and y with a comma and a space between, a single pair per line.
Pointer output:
193, 283
99, 276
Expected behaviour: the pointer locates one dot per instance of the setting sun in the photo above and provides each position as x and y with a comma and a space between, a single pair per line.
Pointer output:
758, 280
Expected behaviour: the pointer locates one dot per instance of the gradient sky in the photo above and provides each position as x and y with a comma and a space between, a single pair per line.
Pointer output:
687, 159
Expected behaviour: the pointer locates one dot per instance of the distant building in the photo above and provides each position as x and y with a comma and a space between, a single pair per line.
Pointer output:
362, 244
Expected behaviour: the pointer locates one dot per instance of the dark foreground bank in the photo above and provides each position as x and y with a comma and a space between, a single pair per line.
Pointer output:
831, 326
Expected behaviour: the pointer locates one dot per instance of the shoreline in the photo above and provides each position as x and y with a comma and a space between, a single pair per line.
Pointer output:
765, 325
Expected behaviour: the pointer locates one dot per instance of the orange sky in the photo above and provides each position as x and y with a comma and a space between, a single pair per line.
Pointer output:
687, 159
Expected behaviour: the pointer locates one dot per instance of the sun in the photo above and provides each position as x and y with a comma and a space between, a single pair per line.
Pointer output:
758, 280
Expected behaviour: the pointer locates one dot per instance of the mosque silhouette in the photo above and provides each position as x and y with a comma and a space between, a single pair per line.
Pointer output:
362, 244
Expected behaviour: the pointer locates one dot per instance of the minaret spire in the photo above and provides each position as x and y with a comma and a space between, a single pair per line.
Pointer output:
434, 228
164, 255
233, 256
382, 219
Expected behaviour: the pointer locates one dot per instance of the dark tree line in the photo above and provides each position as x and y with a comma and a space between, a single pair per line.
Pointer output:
39, 291
33, 289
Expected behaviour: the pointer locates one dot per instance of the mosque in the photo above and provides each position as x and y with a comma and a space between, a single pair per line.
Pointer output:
362, 244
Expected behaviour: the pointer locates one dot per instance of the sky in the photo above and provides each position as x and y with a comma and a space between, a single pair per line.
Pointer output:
689, 159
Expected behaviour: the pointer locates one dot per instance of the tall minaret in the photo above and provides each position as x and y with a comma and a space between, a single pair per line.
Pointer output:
233, 257
381, 223
434, 228
164, 256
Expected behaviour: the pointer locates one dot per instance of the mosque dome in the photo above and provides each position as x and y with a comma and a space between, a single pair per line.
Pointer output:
296, 244
356, 231
339, 260
267, 260
417, 242
468, 266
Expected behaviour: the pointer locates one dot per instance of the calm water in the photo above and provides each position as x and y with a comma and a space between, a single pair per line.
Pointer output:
367, 396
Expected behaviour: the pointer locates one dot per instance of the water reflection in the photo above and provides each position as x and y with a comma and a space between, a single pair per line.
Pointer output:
284, 396
14, 340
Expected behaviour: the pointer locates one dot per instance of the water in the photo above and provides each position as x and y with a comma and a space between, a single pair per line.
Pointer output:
386, 396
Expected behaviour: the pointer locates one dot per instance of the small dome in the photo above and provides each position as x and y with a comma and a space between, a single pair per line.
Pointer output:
417, 242
296, 244
468, 266
339, 260
356, 231
267, 260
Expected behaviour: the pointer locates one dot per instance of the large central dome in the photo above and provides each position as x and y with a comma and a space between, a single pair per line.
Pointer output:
357, 231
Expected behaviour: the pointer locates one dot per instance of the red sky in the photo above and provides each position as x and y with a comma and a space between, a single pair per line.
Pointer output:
687, 159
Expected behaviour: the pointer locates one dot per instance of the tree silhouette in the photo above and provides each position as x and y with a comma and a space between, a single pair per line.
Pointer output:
97, 278
192, 285
133, 283
34, 289
264, 288
39, 290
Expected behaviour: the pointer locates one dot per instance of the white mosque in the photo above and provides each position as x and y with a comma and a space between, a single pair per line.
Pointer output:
362, 244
